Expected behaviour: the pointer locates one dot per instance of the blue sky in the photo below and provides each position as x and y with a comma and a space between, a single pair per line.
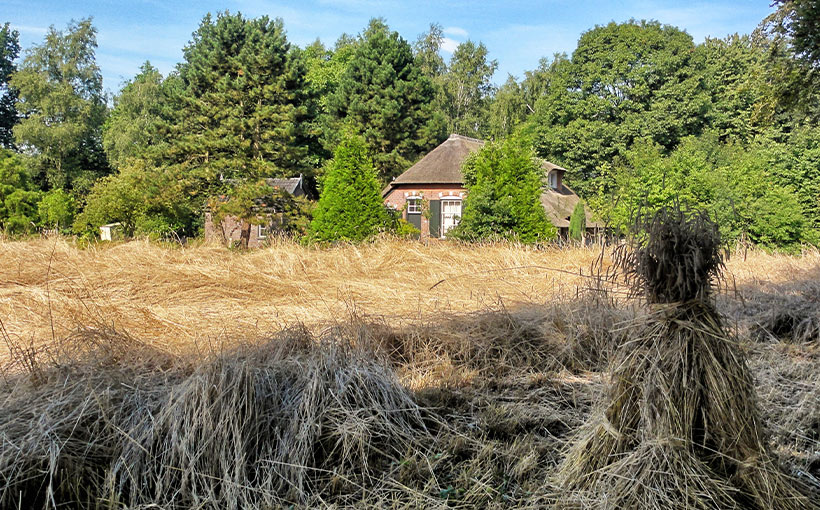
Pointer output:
516, 32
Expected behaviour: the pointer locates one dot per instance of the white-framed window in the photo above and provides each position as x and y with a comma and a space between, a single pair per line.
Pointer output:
262, 233
414, 206
450, 214
554, 179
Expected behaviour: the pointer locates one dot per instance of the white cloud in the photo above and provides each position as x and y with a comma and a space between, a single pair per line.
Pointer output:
456, 31
26, 29
448, 45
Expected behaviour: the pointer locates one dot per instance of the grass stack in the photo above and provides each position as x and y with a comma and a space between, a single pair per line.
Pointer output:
680, 427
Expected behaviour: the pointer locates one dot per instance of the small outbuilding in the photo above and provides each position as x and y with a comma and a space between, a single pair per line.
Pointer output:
230, 229
111, 231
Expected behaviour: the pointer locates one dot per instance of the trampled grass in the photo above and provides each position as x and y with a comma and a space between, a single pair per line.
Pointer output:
206, 294
395, 374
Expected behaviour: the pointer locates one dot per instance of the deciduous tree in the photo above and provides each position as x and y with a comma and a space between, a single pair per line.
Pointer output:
62, 108
468, 89
132, 128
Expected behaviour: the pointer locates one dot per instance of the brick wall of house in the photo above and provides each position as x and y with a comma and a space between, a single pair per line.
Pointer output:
230, 231
397, 199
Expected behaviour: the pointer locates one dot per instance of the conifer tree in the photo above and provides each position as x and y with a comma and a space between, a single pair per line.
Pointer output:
384, 96
504, 183
578, 222
9, 50
243, 101
350, 206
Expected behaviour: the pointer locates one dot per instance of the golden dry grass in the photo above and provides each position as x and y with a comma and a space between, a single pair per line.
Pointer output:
471, 406
178, 297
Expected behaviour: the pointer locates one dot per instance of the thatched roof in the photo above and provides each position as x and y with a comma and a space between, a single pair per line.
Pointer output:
560, 204
442, 165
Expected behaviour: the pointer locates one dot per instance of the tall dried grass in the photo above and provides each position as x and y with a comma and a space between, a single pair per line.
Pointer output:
424, 376
179, 298
680, 427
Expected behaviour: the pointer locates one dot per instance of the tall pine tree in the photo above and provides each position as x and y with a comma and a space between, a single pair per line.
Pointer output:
384, 96
243, 101
9, 51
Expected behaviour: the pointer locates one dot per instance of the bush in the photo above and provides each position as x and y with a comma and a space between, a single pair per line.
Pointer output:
738, 186
504, 183
578, 222
57, 209
18, 196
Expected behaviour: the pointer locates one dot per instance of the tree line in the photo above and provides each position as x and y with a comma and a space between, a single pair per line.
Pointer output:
639, 114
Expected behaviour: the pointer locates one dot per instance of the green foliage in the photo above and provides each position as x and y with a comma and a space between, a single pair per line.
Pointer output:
57, 209
742, 103
508, 109
9, 50
18, 197
62, 106
350, 206
384, 96
801, 20
427, 51
114, 198
248, 202
736, 185
578, 222
625, 82
243, 102
140, 194
132, 128
468, 88
504, 184
404, 229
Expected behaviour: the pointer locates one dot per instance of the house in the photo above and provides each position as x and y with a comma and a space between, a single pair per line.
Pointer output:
430, 193
230, 229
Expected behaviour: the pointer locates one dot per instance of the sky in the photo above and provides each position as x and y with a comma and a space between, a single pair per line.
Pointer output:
517, 33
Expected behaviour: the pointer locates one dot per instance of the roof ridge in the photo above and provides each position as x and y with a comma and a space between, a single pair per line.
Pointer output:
456, 135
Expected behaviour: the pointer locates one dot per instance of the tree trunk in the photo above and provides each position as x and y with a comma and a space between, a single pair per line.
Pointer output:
245, 235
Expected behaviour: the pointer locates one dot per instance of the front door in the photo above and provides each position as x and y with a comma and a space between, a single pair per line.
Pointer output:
450, 215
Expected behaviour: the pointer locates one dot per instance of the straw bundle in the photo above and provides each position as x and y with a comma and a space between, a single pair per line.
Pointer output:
680, 428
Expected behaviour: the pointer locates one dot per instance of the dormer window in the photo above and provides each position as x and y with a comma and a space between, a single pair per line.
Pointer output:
553, 178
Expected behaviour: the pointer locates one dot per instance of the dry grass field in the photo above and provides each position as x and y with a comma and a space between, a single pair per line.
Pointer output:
205, 295
395, 374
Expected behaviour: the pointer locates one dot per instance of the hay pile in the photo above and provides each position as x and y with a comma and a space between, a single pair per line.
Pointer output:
289, 422
680, 428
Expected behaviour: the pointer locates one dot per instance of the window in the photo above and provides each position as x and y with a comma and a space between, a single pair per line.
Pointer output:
263, 231
554, 180
413, 206
450, 214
